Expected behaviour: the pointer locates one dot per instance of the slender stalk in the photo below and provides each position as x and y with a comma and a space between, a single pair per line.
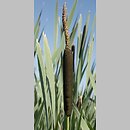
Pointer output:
67, 69
67, 122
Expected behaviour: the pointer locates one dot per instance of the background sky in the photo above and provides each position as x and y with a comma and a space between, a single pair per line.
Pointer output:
48, 14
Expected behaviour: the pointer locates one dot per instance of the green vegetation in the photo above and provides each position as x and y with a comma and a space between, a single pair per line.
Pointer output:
48, 89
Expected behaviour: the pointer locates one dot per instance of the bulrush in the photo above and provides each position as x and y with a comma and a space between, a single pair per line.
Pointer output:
67, 68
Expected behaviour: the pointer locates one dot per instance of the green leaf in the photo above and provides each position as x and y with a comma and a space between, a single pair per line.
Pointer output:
73, 33
93, 83
83, 123
60, 88
79, 24
69, 21
36, 30
90, 127
79, 123
56, 26
37, 23
79, 37
89, 74
56, 55
38, 116
50, 72
42, 79
78, 78
86, 98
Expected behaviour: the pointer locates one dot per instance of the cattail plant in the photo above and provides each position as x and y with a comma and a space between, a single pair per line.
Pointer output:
57, 82
67, 69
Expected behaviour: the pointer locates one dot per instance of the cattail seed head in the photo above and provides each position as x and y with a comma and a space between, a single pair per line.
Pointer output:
67, 80
67, 67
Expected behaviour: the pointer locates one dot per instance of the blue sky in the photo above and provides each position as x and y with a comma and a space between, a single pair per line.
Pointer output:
47, 18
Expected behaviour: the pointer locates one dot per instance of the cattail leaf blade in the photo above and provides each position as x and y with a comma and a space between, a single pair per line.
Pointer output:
37, 23
93, 83
50, 72
36, 31
56, 55
89, 57
42, 78
73, 33
56, 26
69, 21
83, 122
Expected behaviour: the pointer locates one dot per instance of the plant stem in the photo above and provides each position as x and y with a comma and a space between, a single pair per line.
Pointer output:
67, 122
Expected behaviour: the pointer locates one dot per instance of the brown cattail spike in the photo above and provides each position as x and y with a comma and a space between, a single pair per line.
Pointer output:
65, 27
67, 68
67, 80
